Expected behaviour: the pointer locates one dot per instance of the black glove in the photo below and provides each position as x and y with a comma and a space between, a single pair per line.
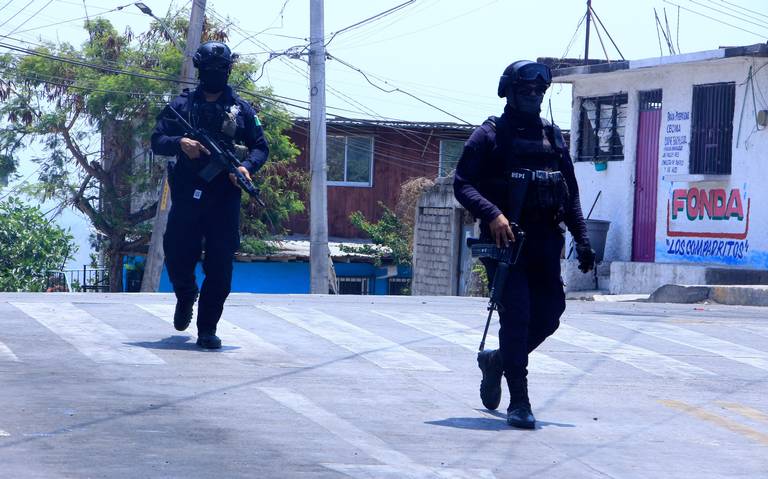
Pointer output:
586, 256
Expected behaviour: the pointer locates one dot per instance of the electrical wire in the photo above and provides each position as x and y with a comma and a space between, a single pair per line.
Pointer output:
62, 22
429, 27
761, 25
370, 19
30, 17
754, 12
761, 35
17, 13
398, 90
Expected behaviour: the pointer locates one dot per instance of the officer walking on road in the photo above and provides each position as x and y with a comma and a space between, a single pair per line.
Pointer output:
520, 144
206, 215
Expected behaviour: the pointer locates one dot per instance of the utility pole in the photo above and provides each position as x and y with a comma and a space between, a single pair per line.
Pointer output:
589, 22
156, 256
318, 198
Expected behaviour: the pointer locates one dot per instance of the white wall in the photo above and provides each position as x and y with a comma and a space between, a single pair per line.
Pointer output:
701, 240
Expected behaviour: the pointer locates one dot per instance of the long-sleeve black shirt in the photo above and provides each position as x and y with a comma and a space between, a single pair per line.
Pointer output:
477, 165
168, 132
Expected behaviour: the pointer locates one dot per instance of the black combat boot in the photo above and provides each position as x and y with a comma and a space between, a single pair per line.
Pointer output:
183, 314
208, 340
519, 412
489, 362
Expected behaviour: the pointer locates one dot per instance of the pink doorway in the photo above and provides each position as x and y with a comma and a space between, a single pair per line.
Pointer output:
646, 177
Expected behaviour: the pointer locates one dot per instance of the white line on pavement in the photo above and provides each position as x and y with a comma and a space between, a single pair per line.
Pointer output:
7, 354
640, 358
95, 339
402, 465
468, 338
4, 433
250, 344
374, 348
696, 340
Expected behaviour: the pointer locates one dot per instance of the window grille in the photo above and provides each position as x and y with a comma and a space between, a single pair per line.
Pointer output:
602, 121
352, 285
450, 152
712, 128
399, 286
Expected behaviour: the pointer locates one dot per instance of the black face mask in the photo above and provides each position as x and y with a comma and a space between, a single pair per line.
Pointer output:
213, 81
530, 104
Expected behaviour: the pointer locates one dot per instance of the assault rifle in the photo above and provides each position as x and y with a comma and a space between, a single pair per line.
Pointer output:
221, 159
506, 258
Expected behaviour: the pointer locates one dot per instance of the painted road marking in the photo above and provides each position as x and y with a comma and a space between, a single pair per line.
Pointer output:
745, 411
4, 433
249, 344
7, 354
704, 415
95, 339
693, 339
380, 351
640, 358
468, 338
376, 448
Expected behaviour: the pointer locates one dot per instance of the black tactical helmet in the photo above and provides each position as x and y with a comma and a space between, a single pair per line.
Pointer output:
523, 70
213, 55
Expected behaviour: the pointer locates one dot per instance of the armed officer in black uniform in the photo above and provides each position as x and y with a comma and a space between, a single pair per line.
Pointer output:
516, 171
206, 215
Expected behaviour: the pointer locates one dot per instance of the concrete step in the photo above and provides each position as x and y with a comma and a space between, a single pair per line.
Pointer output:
741, 295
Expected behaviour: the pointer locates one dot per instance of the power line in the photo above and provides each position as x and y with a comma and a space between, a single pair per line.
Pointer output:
429, 27
17, 13
762, 35
86, 17
761, 25
745, 9
30, 17
393, 90
370, 19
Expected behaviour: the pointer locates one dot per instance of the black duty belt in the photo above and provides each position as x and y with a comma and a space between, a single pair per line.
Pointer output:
540, 177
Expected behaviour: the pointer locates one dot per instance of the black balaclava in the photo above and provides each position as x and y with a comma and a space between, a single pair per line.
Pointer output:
213, 80
527, 97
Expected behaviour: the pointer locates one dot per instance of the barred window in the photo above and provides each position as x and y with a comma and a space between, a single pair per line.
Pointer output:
450, 152
712, 128
352, 285
602, 121
399, 286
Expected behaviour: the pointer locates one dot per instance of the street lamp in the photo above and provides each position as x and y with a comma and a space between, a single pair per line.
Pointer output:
148, 11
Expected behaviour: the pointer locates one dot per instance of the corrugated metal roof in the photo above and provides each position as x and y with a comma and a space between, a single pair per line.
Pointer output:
392, 124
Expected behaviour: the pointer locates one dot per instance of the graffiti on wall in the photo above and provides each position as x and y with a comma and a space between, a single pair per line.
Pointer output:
708, 223
675, 140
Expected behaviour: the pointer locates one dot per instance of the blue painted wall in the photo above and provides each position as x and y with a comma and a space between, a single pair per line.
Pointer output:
290, 278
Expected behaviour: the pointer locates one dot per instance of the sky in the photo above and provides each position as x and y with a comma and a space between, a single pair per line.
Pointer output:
449, 53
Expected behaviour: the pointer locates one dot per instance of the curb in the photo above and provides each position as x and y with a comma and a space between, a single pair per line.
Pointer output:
735, 295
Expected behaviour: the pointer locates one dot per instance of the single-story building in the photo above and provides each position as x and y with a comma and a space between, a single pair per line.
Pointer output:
674, 149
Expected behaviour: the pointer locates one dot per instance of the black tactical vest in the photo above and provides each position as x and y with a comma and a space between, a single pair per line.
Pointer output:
543, 194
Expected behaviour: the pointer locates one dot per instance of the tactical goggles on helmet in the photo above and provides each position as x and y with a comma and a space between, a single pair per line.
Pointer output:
532, 72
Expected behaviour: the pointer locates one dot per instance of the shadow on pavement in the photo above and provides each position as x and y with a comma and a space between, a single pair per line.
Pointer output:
180, 343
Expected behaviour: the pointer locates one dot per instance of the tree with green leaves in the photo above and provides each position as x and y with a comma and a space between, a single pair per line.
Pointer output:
389, 232
29, 247
92, 109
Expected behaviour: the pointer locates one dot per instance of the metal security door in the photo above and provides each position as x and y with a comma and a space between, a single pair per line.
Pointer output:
646, 177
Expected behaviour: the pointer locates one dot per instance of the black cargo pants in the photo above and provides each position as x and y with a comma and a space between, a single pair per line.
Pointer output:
533, 298
202, 217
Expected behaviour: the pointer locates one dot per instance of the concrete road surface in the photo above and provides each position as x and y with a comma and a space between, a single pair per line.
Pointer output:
102, 386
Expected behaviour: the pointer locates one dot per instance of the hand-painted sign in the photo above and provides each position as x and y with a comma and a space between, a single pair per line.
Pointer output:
708, 213
675, 141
